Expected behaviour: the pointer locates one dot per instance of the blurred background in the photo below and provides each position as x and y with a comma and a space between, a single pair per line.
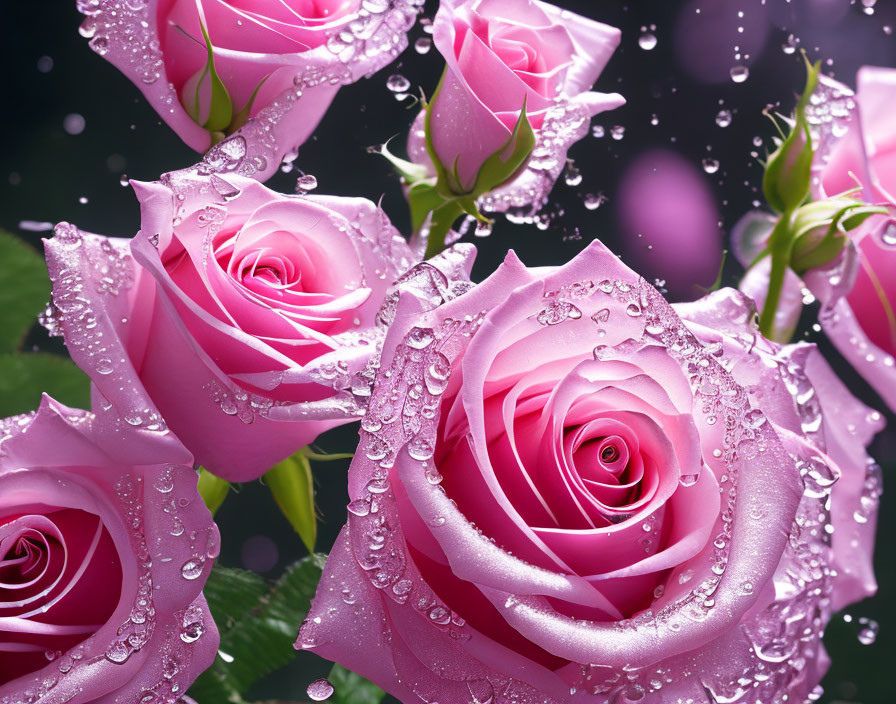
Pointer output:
660, 181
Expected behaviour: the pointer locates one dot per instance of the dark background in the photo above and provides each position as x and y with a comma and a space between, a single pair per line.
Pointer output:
47, 174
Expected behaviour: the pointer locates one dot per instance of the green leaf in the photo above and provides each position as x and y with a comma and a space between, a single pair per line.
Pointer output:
212, 489
788, 170
292, 485
24, 292
349, 688
260, 639
232, 594
220, 112
24, 377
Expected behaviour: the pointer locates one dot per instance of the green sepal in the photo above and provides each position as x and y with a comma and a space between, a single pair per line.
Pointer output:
212, 489
412, 173
507, 161
787, 174
220, 113
242, 117
292, 486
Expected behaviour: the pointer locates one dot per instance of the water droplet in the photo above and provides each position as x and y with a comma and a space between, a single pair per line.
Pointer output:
45, 64
869, 631
594, 200
573, 176
789, 47
398, 83
647, 40
710, 166
617, 132
654, 120
739, 73
598, 131
483, 229
192, 569
888, 235
305, 183
319, 690
723, 119
423, 45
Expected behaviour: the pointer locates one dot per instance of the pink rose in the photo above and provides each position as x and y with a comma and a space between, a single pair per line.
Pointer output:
105, 545
567, 491
279, 66
245, 321
861, 324
500, 55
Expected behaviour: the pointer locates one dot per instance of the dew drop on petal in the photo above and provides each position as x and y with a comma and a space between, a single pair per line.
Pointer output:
192, 569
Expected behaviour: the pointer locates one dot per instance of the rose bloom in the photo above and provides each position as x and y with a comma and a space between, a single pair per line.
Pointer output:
566, 490
861, 324
500, 54
105, 545
280, 63
244, 316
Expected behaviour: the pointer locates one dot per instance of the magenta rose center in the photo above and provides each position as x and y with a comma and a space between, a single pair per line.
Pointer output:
60, 580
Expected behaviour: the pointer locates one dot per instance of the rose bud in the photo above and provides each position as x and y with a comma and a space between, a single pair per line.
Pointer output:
105, 546
516, 90
567, 490
259, 70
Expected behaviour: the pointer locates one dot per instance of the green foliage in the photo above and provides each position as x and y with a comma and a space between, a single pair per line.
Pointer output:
349, 688
24, 377
258, 627
292, 486
24, 290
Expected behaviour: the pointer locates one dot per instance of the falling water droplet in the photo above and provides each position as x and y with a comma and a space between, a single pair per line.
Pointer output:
869, 631
398, 83
789, 47
594, 200
710, 166
723, 119
319, 690
306, 183
739, 73
617, 132
647, 40
423, 45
